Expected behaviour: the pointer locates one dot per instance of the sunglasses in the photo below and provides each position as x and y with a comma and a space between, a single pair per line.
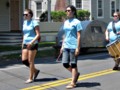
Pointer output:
67, 10
115, 15
25, 14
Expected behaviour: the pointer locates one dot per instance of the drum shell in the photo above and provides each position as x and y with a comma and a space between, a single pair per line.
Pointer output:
114, 49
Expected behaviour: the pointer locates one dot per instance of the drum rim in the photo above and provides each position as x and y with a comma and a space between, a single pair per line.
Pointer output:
112, 42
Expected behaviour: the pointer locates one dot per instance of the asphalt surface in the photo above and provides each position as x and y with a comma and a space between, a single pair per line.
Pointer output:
96, 74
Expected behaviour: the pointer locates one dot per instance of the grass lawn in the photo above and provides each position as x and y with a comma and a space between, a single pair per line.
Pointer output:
40, 54
44, 53
18, 47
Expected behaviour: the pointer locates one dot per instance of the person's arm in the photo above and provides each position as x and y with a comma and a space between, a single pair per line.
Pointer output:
107, 35
77, 51
35, 38
62, 47
37, 31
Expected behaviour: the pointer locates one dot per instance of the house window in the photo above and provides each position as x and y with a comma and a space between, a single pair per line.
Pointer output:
38, 9
113, 7
100, 8
78, 3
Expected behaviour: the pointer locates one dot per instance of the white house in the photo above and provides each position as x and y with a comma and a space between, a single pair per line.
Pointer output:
11, 11
99, 9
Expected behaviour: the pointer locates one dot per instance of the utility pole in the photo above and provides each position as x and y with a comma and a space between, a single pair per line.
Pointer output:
49, 10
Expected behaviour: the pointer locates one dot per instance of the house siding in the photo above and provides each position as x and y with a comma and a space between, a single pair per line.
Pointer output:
4, 16
107, 17
86, 5
94, 9
106, 12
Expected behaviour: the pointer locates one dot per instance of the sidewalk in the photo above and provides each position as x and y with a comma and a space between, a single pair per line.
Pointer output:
19, 51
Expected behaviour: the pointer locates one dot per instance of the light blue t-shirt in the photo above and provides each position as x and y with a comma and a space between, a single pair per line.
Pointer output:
28, 31
71, 27
112, 35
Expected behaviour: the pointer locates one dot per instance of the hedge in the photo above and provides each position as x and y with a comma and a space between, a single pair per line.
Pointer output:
58, 16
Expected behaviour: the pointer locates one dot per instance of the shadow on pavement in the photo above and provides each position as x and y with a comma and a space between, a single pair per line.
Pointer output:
88, 84
8, 62
52, 60
46, 79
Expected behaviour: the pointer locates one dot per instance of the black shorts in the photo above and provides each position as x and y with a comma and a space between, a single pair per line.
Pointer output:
33, 47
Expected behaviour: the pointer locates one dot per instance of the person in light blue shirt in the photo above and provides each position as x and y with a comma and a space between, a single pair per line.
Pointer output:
113, 33
113, 36
71, 44
28, 31
31, 34
71, 28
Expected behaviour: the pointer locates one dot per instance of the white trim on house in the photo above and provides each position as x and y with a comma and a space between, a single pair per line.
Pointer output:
24, 5
101, 8
72, 2
32, 5
36, 10
90, 9
119, 6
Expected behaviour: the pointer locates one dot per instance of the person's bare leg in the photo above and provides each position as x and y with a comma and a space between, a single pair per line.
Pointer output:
74, 75
24, 55
69, 69
74, 72
31, 57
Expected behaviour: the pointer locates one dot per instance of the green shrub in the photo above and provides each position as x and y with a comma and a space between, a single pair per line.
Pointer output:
83, 14
58, 16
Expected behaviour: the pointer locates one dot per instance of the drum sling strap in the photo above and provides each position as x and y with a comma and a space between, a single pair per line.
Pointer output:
113, 26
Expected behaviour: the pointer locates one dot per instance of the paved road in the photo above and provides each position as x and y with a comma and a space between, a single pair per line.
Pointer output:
95, 69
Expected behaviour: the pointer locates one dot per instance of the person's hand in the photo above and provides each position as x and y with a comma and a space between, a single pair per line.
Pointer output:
29, 46
118, 33
107, 39
77, 51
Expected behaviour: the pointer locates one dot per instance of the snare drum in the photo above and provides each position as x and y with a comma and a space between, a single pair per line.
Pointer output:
114, 49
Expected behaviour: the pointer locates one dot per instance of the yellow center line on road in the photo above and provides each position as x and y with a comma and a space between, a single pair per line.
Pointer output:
68, 80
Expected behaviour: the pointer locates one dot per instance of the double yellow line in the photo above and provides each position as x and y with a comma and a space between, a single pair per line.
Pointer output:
66, 81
